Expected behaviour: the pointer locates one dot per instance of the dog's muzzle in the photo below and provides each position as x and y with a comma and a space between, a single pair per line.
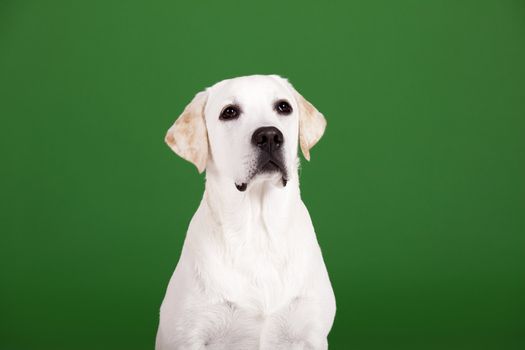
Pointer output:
269, 140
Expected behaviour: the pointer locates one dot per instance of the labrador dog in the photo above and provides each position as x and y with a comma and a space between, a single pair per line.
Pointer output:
251, 274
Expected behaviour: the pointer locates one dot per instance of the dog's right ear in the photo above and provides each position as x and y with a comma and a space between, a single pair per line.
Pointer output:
188, 136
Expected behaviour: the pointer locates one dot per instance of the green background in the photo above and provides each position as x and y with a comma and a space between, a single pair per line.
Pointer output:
417, 190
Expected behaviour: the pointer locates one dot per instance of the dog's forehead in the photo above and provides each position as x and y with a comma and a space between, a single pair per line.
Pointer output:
249, 89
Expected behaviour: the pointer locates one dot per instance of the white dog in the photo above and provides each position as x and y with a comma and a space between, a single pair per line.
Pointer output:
251, 274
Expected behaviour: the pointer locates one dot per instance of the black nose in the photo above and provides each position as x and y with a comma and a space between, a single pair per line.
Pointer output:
268, 138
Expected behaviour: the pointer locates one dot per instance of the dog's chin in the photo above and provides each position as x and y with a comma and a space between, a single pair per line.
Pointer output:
270, 172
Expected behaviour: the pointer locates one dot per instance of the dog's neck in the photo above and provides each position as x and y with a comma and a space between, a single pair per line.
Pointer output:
264, 201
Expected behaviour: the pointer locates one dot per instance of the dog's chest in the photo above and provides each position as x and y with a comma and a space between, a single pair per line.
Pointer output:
264, 269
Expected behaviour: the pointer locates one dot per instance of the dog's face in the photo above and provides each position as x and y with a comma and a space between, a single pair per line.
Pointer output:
253, 129
247, 129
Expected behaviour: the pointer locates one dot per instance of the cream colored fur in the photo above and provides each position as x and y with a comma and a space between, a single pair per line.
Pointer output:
251, 274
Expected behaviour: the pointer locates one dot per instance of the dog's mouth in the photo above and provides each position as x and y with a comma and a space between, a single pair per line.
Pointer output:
266, 164
271, 166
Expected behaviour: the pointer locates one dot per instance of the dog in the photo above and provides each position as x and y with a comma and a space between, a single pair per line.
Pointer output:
251, 274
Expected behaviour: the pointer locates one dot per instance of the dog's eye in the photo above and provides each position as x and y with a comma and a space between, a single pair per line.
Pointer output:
283, 107
230, 112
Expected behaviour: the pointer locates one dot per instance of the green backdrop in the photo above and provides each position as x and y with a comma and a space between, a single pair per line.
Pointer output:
417, 190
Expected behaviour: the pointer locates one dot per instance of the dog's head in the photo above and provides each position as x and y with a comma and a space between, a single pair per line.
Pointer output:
247, 129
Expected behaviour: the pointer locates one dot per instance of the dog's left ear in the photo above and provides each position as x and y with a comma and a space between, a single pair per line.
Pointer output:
311, 124
188, 136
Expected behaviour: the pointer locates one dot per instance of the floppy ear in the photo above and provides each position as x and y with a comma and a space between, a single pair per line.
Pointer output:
311, 124
187, 136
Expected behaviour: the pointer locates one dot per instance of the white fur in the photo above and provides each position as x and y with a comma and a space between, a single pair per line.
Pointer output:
251, 274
